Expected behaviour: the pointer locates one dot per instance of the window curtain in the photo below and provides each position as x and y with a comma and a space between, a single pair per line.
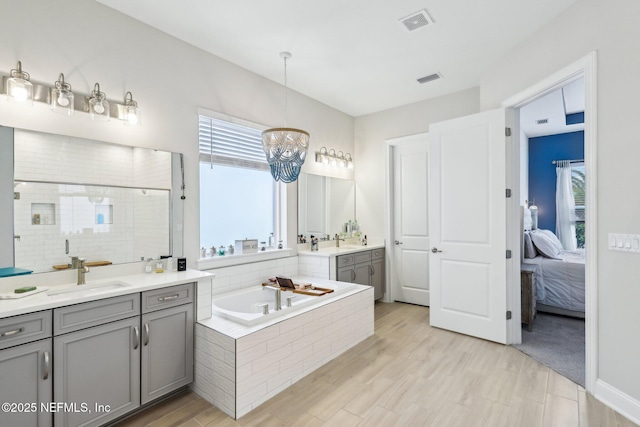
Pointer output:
565, 206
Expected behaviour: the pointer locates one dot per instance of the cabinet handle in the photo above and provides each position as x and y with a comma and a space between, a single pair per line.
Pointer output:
353, 275
46, 365
169, 298
10, 333
146, 334
372, 270
137, 331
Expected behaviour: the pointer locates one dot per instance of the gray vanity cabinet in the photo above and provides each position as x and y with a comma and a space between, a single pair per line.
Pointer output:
25, 369
167, 340
97, 360
363, 268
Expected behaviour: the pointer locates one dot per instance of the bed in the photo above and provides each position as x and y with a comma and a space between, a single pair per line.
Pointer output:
559, 273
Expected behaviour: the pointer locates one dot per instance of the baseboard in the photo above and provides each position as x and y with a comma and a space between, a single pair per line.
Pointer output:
617, 400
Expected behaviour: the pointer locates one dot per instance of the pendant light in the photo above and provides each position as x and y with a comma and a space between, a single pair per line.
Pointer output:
62, 97
285, 148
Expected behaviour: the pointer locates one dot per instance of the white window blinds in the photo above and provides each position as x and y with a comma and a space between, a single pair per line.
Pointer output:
230, 144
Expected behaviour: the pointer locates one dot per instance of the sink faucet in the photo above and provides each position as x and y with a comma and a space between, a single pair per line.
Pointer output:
82, 270
337, 239
278, 297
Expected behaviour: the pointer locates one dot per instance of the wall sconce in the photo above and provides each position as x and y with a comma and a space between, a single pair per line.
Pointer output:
19, 88
130, 110
62, 97
98, 105
329, 157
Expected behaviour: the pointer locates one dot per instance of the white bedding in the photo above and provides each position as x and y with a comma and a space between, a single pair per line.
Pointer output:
560, 282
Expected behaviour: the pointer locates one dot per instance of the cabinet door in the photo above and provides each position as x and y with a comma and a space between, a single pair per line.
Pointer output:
97, 373
378, 278
346, 274
167, 351
25, 378
363, 273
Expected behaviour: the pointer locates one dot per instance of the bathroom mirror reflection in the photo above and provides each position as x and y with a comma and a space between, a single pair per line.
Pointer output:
324, 204
107, 203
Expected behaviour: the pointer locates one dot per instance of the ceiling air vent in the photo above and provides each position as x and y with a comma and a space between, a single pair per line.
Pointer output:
416, 20
542, 121
429, 78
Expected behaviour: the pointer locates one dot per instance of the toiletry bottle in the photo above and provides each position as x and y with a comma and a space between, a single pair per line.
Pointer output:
364, 241
159, 267
149, 267
221, 250
280, 244
231, 250
272, 241
263, 246
203, 252
214, 251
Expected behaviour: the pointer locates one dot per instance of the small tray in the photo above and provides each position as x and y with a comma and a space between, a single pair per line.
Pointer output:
13, 295
314, 291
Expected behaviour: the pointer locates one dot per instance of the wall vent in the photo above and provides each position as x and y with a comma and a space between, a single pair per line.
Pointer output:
416, 20
542, 121
429, 78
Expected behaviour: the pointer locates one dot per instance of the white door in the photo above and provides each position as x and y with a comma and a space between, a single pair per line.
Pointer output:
467, 220
410, 268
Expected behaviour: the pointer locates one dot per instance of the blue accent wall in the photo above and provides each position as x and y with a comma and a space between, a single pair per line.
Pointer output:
542, 173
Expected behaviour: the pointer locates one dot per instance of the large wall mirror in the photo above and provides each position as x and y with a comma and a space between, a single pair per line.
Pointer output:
324, 204
67, 196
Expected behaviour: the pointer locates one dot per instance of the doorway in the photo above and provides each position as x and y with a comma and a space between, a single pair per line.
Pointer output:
585, 68
552, 189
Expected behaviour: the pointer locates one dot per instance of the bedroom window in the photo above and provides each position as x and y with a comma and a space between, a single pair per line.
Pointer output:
578, 181
238, 197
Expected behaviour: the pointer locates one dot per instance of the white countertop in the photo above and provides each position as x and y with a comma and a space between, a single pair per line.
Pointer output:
329, 251
131, 284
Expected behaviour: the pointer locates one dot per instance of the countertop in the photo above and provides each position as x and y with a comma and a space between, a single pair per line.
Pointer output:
131, 284
330, 251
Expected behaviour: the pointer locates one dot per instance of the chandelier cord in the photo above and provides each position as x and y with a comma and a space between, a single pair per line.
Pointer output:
285, 92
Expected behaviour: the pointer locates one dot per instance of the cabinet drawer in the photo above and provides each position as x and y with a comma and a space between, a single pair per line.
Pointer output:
25, 328
80, 316
345, 260
167, 297
377, 253
363, 257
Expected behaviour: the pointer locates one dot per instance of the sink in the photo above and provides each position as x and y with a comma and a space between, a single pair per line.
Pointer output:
89, 287
349, 247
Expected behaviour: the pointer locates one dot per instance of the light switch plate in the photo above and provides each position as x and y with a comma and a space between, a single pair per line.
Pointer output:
624, 242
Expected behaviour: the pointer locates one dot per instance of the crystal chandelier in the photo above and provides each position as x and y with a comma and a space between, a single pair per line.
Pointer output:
285, 148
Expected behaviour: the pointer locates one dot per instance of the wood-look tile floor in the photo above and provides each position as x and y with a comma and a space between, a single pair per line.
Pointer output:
410, 374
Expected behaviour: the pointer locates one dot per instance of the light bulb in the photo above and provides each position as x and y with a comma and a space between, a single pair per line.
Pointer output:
325, 160
98, 107
63, 100
132, 117
19, 92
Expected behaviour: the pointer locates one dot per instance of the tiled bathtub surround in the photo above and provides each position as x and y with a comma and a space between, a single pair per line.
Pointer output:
238, 368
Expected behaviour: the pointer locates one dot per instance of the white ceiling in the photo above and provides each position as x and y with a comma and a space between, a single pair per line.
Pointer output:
554, 107
353, 55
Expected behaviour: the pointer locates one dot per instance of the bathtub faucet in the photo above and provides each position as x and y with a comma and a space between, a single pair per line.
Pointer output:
278, 297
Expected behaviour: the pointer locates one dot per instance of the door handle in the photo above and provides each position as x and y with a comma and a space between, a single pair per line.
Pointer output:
146, 334
45, 355
397, 242
137, 331
435, 250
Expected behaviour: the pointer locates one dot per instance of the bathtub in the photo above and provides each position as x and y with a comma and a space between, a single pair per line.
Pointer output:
244, 306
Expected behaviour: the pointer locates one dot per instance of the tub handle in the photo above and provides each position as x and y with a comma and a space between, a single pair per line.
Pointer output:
265, 308
289, 300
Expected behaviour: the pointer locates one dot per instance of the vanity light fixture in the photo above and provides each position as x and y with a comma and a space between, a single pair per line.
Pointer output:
285, 148
98, 105
62, 97
19, 88
330, 157
130, 110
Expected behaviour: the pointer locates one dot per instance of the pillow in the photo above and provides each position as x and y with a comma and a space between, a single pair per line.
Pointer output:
553, 238
545, 244
529, 248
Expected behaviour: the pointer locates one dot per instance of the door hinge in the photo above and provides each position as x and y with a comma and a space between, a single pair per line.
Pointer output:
16, 195
509, 315
508, 193
508, 253
507, 131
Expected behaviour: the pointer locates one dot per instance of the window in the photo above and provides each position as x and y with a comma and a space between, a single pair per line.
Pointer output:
238, 197
578, 183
